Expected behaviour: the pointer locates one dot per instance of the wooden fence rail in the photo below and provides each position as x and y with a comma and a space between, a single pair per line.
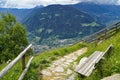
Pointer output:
11, 64
25, 70
105, 33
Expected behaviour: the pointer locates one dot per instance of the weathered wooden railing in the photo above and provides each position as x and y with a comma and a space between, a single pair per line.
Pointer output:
103, 34
11, 64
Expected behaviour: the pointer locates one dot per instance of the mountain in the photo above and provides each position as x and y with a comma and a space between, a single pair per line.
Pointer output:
104, 13
20, 14
60, 22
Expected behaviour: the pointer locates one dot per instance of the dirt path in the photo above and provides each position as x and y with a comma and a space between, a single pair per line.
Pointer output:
60, 69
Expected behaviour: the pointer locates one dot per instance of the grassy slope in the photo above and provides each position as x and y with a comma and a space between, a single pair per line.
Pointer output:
106, 67
39, 62
110, 65
44, 59
14, 72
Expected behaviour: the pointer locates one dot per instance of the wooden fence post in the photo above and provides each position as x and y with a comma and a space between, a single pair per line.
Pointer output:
26, 69
12, 63
23, 62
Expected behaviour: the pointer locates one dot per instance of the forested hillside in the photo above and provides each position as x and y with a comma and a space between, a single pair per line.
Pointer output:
52, 24
106, 14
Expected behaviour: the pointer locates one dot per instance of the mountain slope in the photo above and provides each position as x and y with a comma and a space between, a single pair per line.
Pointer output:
110, 64
61, 22
104, 13
20, 14
106, 67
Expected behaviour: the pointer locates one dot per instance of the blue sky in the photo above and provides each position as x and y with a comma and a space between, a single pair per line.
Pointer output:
33, 3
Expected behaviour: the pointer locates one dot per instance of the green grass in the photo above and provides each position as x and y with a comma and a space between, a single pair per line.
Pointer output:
14, 72
44, 59
110, 65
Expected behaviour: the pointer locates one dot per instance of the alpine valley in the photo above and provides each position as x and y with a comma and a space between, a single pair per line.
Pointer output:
57, 25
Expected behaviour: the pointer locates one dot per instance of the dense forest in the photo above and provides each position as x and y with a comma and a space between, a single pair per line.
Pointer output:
12, 37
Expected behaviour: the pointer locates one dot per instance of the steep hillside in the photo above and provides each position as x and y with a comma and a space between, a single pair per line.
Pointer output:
60, 22
105, 13
108, 66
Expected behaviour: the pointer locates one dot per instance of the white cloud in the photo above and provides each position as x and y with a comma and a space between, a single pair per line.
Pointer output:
2, 2
33, 3
18, 4
118, 2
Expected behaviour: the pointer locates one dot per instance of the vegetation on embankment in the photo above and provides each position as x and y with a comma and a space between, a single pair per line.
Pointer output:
44, 59
108, 66
12, 41
12, 37
14, 72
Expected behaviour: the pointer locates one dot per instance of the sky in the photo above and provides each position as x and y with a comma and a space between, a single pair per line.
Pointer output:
33, 3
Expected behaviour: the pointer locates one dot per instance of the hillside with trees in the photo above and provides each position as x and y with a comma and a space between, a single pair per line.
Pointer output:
12, 37
55, 23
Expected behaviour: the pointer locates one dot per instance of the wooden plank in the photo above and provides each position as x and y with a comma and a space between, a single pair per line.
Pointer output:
79, 66
23, 62
100, 57
108, 49
82, 67
87, 68
11, 64
26, 69
81, 63
91, 63
97, 60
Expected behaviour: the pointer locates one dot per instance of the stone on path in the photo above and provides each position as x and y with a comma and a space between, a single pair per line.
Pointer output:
72, 77
47, 73
113, 77
69, 71
59, 69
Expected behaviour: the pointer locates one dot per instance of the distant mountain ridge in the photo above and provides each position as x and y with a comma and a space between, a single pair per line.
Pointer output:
104, 13
20, 14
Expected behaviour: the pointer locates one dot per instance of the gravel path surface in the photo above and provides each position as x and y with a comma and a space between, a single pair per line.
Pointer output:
60, 69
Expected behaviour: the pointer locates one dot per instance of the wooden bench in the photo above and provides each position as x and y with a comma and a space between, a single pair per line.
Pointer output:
87, 65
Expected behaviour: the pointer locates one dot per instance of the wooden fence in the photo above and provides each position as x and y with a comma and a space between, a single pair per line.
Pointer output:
11, 64
103, 34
